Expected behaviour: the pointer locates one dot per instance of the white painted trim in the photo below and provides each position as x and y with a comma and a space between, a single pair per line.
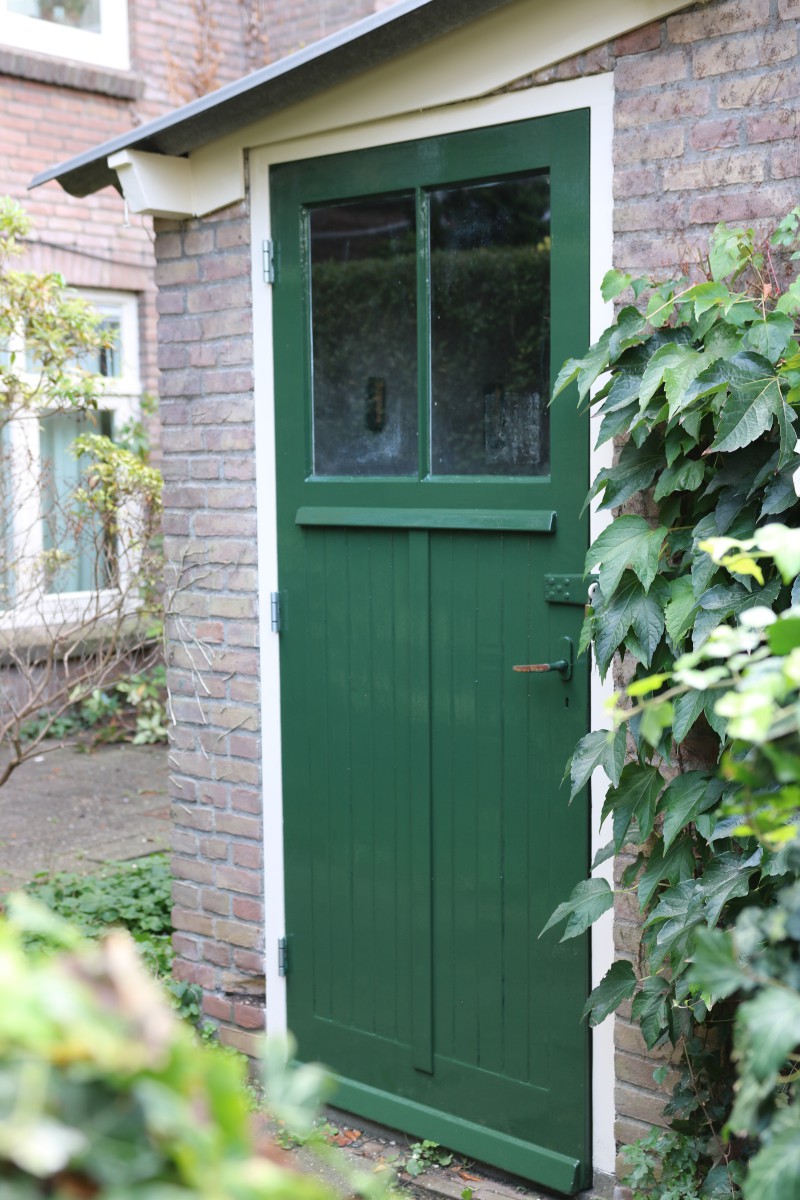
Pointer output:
597, 94
267, 542
164, 185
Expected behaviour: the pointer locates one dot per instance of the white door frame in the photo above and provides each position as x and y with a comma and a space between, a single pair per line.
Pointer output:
597, 94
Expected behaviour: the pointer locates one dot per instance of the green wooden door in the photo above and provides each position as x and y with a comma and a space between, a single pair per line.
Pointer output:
426, 294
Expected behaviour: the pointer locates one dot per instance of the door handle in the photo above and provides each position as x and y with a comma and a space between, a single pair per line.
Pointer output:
562, 665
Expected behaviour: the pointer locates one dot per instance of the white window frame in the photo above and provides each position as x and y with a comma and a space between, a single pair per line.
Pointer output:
121, 399
109, 48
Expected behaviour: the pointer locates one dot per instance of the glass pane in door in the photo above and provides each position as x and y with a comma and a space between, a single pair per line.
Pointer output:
490, 327
364, 335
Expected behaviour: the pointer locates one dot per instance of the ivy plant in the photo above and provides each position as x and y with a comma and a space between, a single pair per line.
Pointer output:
699, 392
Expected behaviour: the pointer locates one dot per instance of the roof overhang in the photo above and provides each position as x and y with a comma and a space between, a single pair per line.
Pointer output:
358, 48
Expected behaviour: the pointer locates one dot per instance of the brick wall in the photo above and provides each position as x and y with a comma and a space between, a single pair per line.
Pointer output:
205, 355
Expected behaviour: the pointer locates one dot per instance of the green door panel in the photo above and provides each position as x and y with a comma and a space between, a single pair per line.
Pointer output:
426, 837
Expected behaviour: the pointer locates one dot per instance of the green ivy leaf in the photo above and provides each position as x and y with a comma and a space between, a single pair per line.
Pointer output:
677, 913
708, 295
686, 710
774, 1172
755, 397
725, 878
784, 635
714, 966
723, 601
685, 797
786, 419
614, 282
635, 797
589, 900
677, 864
780, 495
618, 984
633, 473
600, 748
627, 542
649, 1008
770, 336
670, 356
629, 607
768, 1026
680, 610
586, 369
683, 476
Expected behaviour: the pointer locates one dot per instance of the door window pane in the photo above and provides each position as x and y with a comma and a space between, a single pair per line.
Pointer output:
490, 327
364, 333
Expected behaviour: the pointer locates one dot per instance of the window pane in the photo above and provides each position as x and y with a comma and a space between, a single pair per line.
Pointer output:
79, 14
84, 555
490, 327
364, 332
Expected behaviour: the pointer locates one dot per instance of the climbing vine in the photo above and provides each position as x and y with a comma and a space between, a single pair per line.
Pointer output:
702, 391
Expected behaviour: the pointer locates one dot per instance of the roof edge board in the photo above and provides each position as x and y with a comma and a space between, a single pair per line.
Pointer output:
374, 38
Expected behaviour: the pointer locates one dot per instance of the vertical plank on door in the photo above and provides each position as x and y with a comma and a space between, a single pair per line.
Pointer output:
421, 846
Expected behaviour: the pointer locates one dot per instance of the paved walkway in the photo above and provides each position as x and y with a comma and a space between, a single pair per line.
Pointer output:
70, 810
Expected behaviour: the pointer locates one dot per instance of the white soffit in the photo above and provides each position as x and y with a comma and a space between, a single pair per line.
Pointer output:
483, 56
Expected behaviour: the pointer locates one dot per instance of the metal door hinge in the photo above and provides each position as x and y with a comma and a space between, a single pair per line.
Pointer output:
268, 260
275, 612
283, 956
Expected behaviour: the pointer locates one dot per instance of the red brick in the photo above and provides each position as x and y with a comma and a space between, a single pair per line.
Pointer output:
772, 127
218, 953
783, 84
715, 135
185, 947
247, 1043
249, 960
215, 1006
740, 167
249, 1016
646, 71
248, 910
785, 162
749, 205
194, 973
239, 881
736, 16
646, 37
189, 921
666, 105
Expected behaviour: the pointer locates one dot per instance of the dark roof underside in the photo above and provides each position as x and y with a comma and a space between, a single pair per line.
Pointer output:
367, 44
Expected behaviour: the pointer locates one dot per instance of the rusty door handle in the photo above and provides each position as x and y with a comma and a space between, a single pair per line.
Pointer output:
562, 665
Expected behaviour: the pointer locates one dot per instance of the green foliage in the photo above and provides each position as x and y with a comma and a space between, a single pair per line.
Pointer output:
666, 1165
424, 1155
104, 1093
59, 327
702, 387
135, 896
131, 710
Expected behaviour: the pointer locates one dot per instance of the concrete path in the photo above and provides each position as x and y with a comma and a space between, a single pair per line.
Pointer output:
70, 810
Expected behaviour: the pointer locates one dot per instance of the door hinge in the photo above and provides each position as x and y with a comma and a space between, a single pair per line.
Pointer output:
268, 260
283, 956
275, 612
